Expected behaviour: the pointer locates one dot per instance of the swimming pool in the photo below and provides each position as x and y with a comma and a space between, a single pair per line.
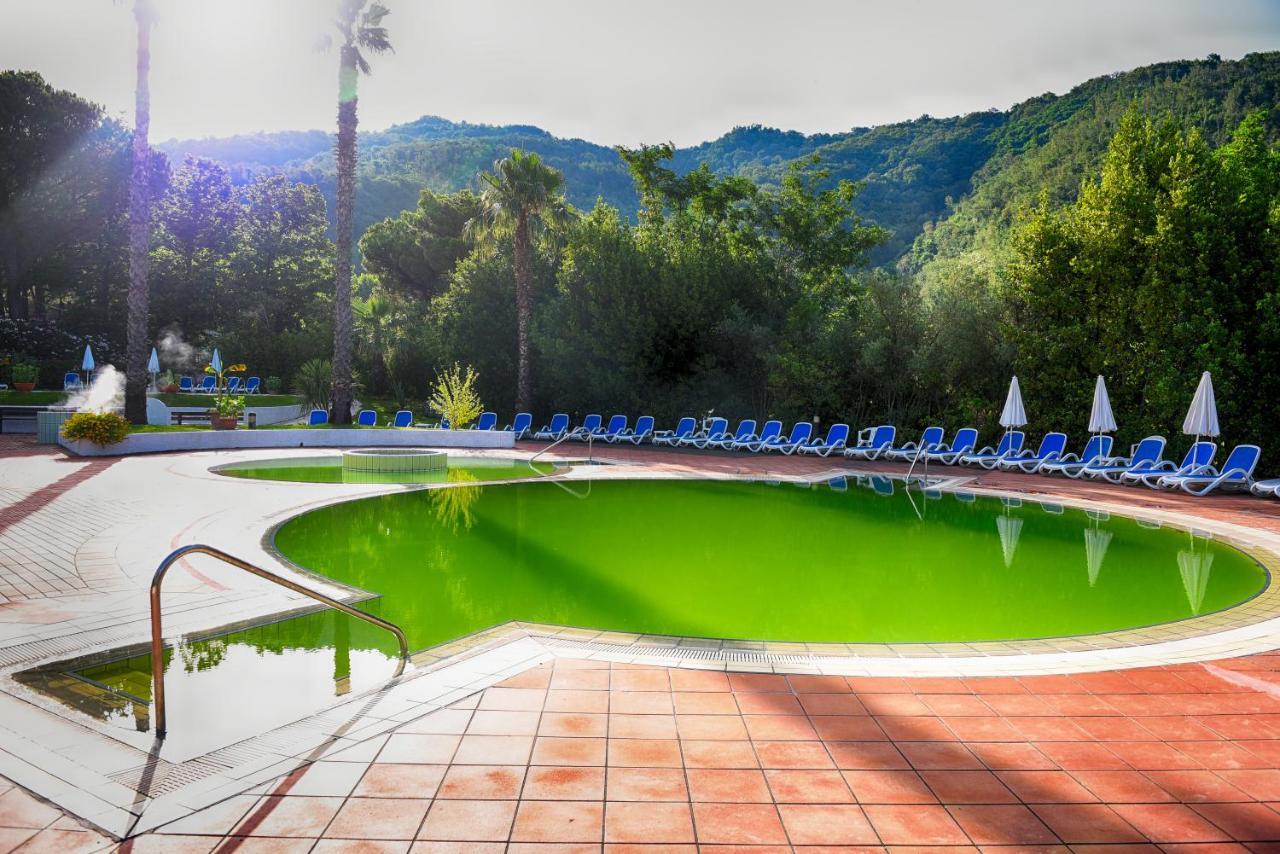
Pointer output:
700, 558
329, 469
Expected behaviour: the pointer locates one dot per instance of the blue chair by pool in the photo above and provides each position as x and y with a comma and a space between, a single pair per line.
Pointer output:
403, 418
873, 443
253, 386
185, 384
643, 430
522, 424
367, 418
745, 433
1199, 455
881, 485
1052, 447
839, 484
70, 381
1096, 453
617, 426
557, 429
837, 438
686, 427
208, 385
1236, 473
930, 440
771, 431
1143, 457
716, 430
487, 421
800, 434
989, 457
233, 385
966, 439
589, 428
318, 417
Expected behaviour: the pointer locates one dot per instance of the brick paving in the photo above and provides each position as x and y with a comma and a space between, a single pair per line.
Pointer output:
588, 756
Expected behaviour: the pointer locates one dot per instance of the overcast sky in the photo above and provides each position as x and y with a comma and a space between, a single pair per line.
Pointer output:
617, 72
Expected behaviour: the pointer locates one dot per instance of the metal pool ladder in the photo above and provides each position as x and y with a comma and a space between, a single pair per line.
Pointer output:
157, 640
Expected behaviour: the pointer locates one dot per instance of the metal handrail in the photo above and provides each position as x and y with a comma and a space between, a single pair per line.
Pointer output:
157, 639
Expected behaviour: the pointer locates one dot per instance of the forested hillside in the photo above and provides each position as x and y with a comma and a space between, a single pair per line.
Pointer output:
939, 185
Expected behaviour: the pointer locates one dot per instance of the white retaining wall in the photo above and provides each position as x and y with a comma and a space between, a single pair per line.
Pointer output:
225, 440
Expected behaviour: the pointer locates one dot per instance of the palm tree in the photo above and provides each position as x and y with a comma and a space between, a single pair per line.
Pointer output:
359, 25
136, 351
522, 197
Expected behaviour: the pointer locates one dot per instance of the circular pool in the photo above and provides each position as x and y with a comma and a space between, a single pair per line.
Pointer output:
851, 563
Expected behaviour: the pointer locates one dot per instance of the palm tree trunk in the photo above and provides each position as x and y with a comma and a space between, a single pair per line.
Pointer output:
340, 398
524, 388
135, 389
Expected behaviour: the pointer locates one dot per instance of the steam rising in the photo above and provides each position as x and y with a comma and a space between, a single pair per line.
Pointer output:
175, 353
104, 394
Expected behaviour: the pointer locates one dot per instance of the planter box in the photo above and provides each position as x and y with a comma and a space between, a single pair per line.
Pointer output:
226, 440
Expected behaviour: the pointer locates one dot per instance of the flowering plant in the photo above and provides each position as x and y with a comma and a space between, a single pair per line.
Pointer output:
101, 428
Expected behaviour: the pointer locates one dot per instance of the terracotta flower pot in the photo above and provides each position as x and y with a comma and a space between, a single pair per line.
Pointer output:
170, 389
219, 422
25, 387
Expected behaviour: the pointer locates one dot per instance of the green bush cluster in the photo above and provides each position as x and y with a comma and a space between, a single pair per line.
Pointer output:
101, 428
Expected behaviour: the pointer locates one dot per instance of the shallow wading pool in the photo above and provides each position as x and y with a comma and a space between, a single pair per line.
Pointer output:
718, 559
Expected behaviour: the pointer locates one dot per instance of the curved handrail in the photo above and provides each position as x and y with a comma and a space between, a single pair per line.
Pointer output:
157, 638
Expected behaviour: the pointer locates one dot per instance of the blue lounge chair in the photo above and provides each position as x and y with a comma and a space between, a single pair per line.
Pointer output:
617, 426
318, 417
589, 428
1199, 455
557, 429
404, 418
367, 418
771, 431
881, 485
643, 430
717, 430
1236, 472
233, 385
930, 440
253, 386
70, 381
522, 424
487, 421
1144, 456
837, 438
800, 434
1096, 453
185, 384
745, 433
876, 442
208, 385
966, 439
989, 457
839, 484
684, 429
1052, 447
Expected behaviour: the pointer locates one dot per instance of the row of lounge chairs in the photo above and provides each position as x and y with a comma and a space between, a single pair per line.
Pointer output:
209, 385
1145, 465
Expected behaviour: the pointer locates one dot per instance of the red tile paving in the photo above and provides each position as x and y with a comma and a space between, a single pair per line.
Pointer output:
1167, 781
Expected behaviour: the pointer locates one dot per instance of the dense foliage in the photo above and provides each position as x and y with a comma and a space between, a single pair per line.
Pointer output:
101, 428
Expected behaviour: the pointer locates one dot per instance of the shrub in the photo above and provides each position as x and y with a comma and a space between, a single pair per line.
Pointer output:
455, 397
228, 405
25, 372
101, 428
314, 382
274, 386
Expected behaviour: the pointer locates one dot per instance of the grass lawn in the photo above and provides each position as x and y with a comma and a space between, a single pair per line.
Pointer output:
30, 398
251, 399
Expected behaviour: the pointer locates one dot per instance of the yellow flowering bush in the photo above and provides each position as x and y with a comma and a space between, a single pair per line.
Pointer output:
101, 428
455, 397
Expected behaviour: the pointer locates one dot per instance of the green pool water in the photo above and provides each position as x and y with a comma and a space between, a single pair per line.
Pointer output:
744, 560
329, 469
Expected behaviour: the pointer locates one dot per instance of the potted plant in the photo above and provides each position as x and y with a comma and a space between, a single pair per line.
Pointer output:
24, 376
226, 411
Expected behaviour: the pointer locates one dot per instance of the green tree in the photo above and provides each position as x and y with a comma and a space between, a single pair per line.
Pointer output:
415, 252
359, 25
522, 197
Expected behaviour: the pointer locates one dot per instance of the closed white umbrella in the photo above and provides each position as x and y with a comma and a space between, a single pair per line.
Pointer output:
1013, 414
1202, 417
1096, 542
216, 361
153, 364
1010, 530
87, 364
1194, 567
1101, 418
